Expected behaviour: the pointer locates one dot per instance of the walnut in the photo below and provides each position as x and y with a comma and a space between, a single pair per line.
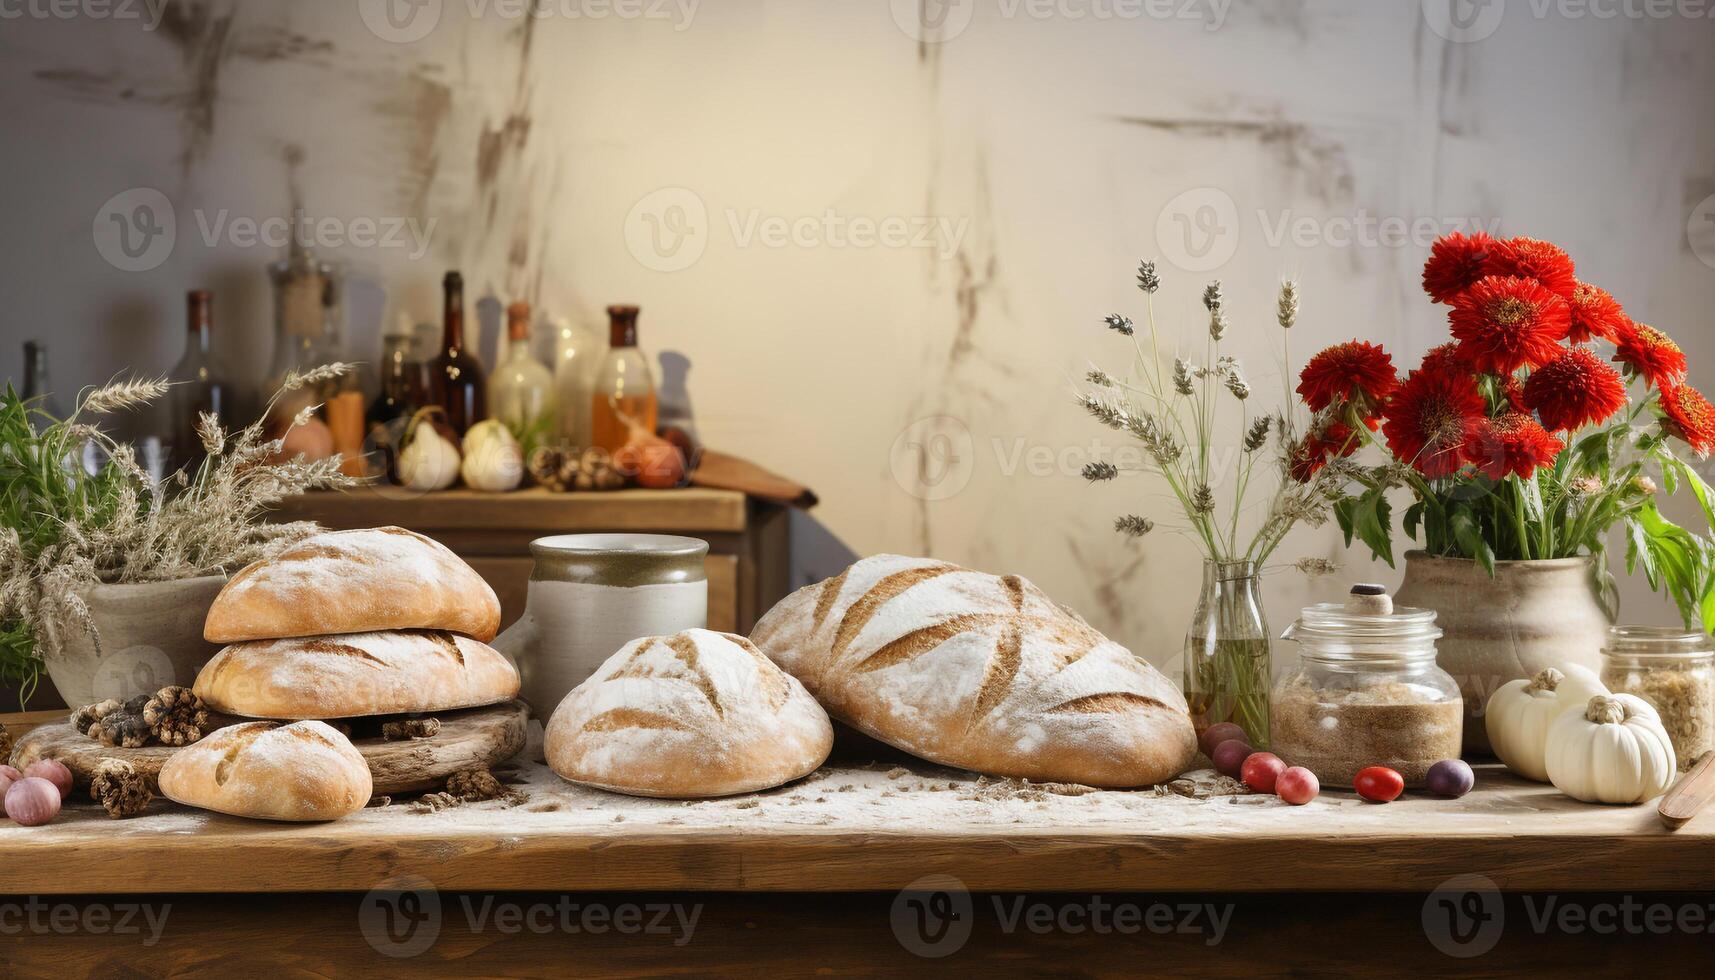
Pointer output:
175, 716
122, 725
406, 729
119, 788
561, 470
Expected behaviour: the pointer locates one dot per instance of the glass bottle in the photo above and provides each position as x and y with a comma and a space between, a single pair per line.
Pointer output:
1227, 651
201, 384
1675, 672
623, 392
37, 387
1366, 692
574, 358
306, 330
455, 375
404, 390
522, 390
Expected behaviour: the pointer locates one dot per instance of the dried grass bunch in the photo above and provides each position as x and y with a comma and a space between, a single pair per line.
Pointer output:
63, 528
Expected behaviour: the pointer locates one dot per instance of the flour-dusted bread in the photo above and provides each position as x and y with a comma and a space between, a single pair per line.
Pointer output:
383, 578
981, 673
356, 675
267, 771
696, 714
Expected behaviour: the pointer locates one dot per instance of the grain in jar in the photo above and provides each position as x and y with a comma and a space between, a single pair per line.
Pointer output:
1675, 672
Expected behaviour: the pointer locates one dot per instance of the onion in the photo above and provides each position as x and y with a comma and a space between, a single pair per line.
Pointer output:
32, 801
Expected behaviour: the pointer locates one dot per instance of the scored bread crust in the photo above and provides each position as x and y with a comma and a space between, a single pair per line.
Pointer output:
695, 715
357, 675
382, 578
267, 771
979, 672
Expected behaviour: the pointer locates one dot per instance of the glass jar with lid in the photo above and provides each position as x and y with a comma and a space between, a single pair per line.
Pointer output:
1366, 692
1673, 670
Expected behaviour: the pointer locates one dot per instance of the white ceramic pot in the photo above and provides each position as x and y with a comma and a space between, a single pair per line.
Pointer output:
150, 637
1527, 616
591, 594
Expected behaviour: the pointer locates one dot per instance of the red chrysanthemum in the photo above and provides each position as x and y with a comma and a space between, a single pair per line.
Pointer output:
1447, 357
1595, 314
1431, 420
1533, 258
1455, 264
1515, 444
1355, 372
1690, 417
1507, 323
1312, 456
1576, 390
1652, 355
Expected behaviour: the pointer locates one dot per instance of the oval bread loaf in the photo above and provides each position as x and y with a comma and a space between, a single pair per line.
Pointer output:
383, 578
696, 714
355, 676
266, 771
979, 672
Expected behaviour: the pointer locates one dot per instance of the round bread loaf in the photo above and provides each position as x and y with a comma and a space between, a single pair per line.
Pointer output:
383, 578
355, 676
696, 714
267, 771
979, 672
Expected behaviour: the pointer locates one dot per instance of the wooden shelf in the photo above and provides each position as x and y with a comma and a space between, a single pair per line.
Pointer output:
534, 509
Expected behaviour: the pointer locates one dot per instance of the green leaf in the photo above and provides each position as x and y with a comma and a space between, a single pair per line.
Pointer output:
1372, 522
1468, 535
1412, 521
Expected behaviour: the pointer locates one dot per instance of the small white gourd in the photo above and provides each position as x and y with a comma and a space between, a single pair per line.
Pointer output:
493, 460
1518, 715
1614, 751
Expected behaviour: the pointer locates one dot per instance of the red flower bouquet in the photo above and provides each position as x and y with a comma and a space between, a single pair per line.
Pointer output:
1520, 440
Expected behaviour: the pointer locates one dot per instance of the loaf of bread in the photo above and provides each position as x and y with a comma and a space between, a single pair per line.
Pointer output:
266, 771
355, 676
696, 714
384, 578
981, 673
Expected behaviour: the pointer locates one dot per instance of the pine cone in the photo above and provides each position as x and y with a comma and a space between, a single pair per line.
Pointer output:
84, 718
120, 789
406, 729
472, 785
176, 716
122, 726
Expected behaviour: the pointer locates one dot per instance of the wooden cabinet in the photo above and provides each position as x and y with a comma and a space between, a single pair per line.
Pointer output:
748, 547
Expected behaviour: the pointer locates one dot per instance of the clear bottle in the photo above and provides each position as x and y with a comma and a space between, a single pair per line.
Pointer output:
1366, 692
201, 384
1673, 670
307, 329
623, 393
575, 358
456, 378
37, 387
1228, 651
521, 394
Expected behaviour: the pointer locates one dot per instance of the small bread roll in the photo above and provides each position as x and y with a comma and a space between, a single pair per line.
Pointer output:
383, 578
265, 771
696, 714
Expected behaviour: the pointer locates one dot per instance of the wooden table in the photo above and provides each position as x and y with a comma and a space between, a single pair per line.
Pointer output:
748, 546
819, 866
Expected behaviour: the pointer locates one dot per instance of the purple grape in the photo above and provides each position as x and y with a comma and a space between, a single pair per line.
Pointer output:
1451, 778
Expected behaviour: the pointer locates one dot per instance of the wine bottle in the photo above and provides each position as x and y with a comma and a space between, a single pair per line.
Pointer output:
523, 390
201, 385
456, 380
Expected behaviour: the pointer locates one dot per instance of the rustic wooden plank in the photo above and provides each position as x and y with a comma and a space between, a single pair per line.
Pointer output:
535, 510
878, 828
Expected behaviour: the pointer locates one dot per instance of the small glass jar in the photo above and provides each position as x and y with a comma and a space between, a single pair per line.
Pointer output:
1366, 692
1674, 671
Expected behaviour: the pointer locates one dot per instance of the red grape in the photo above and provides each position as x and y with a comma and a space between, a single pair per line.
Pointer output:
1297, 786
1214, 735
1261, 770
1379, 784
1230, 757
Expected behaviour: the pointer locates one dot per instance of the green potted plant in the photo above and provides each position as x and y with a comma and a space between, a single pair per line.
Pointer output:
1522, 444
105, 577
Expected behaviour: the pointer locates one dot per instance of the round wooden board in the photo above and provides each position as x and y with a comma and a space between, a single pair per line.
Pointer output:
472, 738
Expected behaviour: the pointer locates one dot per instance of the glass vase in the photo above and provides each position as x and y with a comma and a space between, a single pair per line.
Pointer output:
1228, 652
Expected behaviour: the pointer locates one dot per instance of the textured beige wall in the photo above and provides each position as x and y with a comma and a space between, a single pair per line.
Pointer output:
1029, 153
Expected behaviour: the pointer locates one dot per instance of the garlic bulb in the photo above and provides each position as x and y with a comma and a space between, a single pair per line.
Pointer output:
428, 462
493, 460
1614, 751
1518, 715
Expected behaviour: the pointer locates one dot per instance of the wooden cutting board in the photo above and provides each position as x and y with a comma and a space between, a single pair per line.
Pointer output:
475, 737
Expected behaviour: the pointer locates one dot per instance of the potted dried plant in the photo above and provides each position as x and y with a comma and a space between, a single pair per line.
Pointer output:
105, 577
1186, 414
1523, 446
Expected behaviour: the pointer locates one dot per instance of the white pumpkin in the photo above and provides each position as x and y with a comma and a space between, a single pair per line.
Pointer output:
493, 460
428, 462
1518, 715
1614, 751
